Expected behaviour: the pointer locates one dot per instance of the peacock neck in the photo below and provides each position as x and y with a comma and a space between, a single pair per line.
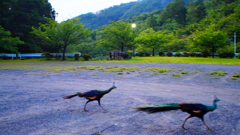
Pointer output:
213, 107
107, 91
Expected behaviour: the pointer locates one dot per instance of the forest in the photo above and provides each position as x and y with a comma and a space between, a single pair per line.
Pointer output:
189, 28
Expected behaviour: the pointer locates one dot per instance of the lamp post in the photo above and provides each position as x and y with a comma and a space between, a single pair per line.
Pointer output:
235, 41
133, 27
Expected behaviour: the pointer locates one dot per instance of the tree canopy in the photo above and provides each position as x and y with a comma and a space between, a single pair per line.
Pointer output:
63, 34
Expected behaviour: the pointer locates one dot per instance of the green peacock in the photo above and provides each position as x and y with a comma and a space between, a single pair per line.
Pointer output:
91, 95
194, 109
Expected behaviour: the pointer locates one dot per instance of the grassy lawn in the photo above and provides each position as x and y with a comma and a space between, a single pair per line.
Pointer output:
186, 60
36, 63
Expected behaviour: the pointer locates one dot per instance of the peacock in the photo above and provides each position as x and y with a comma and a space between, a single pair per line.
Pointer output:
91, 95
194, 109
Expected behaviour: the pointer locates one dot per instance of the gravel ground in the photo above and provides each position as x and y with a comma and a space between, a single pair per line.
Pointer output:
31, 101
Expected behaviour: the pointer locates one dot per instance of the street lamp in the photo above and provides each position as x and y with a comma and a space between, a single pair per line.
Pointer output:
133, 26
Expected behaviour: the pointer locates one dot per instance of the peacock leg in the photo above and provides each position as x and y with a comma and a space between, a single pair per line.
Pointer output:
205, 124
99, 103
85, 105
185, 121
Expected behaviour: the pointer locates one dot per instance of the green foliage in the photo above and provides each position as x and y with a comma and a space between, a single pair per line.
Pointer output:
175, 11
8, 44
226, 52
196, 11
117, 36
61, 35
177, 45
86, 57
19, 16
152, 39
209, 40
120, 12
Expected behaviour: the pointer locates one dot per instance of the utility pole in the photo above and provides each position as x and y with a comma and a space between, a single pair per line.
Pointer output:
235, 42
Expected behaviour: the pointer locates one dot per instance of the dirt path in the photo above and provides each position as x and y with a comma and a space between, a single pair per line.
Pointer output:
31, 101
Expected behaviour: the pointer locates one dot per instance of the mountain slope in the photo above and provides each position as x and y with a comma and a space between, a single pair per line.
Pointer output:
123, 11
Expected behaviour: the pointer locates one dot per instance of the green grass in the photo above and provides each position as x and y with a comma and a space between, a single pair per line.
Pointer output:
220, 73
30, 64
184, 60
236, 75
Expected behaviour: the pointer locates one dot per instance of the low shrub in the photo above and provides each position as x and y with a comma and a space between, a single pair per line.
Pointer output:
76, 56
192, 54
178, 54
161, 54
226, 52
169, 54
47, 55
205, 54
126, 56
86, 57
185, 54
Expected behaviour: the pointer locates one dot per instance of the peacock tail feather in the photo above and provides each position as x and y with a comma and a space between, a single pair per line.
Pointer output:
159, 108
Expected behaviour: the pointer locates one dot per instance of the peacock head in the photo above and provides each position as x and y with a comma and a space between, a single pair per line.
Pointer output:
114, 87
216, 99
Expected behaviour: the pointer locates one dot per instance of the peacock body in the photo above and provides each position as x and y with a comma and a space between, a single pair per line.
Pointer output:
194, 109
91, 95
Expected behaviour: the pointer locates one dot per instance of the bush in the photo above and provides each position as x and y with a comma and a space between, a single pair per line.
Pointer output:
185, 54
192, 54
86, 57
141, 54
178, 54
47, 55
5, 57
126, 56
238, 56
205, 54
226, 55
226, 52
76, 56
161, 54
147, 54
58, 56
169, 54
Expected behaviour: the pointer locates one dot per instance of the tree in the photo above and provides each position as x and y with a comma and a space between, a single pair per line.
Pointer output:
8, 44
196, 11
175, 10
118, 35
152, 39
209, 40
63, 34
151, 21
19, 16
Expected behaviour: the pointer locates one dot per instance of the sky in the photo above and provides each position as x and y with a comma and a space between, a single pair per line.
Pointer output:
68, 9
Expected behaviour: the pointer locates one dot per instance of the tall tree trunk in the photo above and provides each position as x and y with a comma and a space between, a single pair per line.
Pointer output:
153, 52
213, 51
122, 47
64, 50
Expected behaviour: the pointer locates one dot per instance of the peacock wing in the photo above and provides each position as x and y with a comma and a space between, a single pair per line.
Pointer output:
92, 94
193, 107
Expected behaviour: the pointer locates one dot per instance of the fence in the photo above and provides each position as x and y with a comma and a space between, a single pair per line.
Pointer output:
35, 55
